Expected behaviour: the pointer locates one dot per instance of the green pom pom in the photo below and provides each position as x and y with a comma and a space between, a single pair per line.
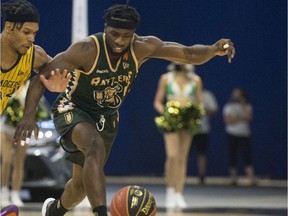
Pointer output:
176, 117
14, 112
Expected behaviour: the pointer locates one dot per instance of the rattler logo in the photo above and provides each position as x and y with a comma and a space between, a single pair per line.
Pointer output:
109, 96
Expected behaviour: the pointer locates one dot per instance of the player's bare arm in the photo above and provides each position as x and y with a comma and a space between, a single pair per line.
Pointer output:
27, 124
41, 59
62, 64
80, 55
152, 47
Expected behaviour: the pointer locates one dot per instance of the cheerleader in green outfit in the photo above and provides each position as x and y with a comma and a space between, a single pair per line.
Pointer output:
179, 120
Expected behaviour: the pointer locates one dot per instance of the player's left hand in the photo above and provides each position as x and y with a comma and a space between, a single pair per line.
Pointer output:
225, 47
57, 82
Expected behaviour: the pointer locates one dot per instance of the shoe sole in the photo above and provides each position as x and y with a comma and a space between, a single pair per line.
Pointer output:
45, 204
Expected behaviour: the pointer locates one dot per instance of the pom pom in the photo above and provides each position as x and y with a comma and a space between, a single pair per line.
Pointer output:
14, 112
176, 117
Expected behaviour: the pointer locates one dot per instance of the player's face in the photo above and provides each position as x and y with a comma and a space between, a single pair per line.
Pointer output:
23, 38
118, 40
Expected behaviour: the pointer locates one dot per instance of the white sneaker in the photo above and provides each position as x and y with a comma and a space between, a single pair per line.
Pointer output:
46, 205
5, 197
170, 198
180, 201
15, 199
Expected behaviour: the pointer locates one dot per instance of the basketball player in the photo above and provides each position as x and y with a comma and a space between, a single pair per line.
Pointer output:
19, 57
103, 67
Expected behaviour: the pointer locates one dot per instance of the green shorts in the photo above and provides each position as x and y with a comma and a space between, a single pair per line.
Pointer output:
64, 122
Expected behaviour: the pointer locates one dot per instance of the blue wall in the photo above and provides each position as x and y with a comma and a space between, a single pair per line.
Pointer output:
259, 31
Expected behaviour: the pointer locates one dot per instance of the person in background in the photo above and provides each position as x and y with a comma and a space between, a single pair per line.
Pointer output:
238, 114
13, 156
201, 139
182, 87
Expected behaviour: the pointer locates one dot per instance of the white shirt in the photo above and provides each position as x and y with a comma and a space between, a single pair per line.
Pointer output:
239, 128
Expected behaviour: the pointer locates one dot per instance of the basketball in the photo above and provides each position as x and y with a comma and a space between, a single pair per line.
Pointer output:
133, 201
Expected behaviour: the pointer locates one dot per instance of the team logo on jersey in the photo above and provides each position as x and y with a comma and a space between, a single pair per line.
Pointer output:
109, 96
125, 65
20, 73
68, 117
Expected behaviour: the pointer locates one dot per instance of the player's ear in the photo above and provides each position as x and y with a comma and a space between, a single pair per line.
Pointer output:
9, 26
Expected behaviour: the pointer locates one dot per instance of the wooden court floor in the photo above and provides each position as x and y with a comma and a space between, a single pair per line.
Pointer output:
158, 214
212, 199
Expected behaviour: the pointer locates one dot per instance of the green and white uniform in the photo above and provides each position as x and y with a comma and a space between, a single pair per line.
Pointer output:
95, 96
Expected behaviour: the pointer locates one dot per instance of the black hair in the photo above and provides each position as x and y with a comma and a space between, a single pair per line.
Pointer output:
19, 11
122, 16
179, 67
243, 93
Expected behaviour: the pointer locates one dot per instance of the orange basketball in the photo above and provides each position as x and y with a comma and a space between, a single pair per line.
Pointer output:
133, 201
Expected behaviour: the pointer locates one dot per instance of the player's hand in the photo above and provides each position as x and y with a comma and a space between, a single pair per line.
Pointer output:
24, 130
57, 82
225, 47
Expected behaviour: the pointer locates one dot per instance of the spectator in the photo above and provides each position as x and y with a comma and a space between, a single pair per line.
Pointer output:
238, 114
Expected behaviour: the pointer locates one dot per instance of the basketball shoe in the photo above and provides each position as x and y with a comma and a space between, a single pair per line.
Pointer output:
45, 208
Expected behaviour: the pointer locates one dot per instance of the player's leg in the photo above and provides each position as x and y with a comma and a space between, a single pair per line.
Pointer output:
6, 157
88, 140
73, 194
18, 173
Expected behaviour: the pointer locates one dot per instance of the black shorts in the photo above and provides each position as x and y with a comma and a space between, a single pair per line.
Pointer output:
64, 122
239, 146
200, 142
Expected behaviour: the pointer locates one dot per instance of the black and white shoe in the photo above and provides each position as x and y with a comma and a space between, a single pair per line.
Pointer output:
46, 205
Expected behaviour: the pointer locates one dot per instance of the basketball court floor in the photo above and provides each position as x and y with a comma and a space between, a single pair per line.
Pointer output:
215, 198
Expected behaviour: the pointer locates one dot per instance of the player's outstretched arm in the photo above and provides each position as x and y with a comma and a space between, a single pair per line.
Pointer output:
56, 75
35, 91
28, 124
153, 47
76, 56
